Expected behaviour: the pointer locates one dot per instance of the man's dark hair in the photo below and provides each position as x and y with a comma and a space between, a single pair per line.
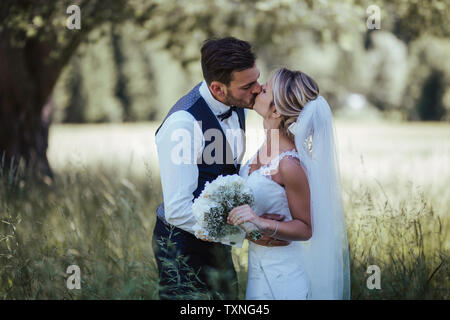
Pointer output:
220, 57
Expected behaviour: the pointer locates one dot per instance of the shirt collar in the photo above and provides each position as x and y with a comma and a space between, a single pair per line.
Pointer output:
216, 106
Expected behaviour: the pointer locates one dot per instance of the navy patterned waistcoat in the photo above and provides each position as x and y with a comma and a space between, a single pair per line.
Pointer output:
198, 108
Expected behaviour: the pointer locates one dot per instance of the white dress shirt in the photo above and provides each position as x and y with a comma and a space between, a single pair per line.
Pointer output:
179, 180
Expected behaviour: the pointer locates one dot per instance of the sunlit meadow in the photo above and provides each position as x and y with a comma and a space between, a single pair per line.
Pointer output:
100, 211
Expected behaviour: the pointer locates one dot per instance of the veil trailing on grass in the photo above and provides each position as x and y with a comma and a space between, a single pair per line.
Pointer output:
325, 254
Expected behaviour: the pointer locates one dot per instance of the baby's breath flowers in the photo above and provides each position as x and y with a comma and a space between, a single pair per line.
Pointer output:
211, 210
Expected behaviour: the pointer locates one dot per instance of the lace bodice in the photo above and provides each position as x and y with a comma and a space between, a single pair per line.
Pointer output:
270, 197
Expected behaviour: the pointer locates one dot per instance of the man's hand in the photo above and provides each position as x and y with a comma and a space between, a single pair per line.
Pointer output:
268, 241
273, 216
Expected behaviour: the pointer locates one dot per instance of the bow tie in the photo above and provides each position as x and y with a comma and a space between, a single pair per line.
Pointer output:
227, 113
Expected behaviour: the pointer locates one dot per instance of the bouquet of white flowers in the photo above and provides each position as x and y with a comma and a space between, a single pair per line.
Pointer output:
211, 209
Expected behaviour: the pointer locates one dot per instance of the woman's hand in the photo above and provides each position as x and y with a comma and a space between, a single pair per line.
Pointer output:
242, 214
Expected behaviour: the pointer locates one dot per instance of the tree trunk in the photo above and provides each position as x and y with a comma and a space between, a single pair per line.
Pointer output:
27, 79
30, 68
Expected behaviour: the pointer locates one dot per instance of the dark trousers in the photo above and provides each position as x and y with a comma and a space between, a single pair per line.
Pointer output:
190, 268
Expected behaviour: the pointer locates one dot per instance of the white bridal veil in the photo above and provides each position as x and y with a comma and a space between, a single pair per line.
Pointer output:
325, 255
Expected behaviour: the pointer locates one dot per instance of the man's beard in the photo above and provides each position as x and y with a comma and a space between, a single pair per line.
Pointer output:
232, 101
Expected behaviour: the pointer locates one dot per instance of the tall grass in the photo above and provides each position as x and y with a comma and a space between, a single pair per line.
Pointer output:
408, 241
103, 223
101, 218
98, 221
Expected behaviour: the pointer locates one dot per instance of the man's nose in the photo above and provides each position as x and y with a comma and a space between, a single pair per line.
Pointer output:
256, 88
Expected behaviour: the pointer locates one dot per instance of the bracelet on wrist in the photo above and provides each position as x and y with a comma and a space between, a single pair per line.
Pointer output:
276, 229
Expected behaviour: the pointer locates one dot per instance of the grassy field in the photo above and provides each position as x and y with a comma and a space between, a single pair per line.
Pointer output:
100, 211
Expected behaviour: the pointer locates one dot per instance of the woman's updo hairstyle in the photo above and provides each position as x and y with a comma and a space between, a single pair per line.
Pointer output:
292, 90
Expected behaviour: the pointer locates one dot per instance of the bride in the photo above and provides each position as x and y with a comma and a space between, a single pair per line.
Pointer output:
301, 181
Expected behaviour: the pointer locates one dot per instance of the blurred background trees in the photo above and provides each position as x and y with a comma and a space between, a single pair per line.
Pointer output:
141, 68
131, 60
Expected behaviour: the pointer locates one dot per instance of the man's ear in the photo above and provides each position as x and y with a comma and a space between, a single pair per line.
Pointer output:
218, 90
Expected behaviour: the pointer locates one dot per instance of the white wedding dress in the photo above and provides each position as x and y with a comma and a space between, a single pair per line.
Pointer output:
274, 273
319, 268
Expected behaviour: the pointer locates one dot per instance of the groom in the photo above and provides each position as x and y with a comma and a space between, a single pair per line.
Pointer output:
215, 105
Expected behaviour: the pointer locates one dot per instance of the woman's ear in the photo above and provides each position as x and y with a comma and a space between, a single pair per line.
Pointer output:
275, 113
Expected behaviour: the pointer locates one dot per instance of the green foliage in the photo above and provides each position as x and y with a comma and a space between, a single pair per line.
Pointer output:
283, 32
410, 20
387, 61
115, 80
427, 88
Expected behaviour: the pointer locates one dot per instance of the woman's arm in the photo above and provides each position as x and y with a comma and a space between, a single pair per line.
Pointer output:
296, 185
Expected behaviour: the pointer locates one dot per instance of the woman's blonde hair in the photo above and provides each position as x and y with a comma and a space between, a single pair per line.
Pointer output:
292, 90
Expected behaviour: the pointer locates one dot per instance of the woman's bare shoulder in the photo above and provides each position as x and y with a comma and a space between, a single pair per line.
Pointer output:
291, 170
